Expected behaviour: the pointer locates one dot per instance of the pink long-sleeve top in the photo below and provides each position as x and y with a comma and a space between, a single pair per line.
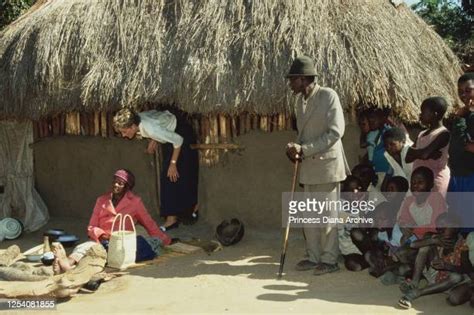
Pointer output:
104, 214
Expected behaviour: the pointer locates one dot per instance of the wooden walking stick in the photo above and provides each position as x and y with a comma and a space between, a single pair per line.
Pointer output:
157, 155
287, 230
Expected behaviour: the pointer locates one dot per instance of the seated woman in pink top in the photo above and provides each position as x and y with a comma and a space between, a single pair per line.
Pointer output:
431, 147
120, 200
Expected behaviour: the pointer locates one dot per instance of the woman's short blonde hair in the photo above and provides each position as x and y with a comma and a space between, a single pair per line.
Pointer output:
125, 118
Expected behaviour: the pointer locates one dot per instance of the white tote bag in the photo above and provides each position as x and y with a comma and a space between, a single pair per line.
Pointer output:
122, 244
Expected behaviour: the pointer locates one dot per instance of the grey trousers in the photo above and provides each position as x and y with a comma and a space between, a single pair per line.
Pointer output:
321, 242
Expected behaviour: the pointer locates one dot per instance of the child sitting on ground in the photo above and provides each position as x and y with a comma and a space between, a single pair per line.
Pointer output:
419, 211
390, 233
395, 191
353, 258
369, 180
447, 253
386, 233
431, 147
418, 215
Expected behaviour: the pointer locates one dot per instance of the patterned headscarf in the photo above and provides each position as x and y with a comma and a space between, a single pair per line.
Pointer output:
127, 176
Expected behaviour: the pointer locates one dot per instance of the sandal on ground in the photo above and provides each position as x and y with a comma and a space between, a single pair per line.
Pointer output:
306, 265
169, 227
191, 219
404, 303
325, 268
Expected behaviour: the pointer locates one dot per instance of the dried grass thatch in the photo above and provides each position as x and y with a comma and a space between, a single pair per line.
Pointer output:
217, 56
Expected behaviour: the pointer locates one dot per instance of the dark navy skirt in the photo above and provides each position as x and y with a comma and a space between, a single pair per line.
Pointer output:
179, 198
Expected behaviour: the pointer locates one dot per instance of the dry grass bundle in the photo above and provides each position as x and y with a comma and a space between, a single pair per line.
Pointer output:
217, 56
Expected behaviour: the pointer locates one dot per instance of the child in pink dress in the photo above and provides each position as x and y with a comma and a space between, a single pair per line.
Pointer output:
431, 147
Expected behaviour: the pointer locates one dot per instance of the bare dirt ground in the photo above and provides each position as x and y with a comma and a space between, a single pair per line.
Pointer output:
238, 279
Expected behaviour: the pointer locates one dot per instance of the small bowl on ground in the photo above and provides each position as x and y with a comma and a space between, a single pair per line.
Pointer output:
34, 254
53, 234
34, 257
47, 258
11, 228
68, 240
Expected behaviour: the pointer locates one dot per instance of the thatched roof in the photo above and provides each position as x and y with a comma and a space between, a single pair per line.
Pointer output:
226, 56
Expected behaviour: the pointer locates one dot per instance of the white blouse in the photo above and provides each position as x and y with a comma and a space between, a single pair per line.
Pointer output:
159, 126
403, 170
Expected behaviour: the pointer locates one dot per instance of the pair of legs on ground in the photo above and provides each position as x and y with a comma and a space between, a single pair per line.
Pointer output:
62, 262
459, 288
375, 254
172, 221
322, 248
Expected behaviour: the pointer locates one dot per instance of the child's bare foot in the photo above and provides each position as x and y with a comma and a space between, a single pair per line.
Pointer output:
58, 249
61, 262
56, 267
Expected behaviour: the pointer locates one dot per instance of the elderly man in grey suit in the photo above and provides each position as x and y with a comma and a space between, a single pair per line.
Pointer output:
320, 123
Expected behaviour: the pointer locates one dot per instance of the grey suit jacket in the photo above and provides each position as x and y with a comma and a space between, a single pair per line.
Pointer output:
320, 130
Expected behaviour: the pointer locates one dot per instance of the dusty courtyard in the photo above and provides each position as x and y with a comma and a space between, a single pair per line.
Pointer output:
237, 279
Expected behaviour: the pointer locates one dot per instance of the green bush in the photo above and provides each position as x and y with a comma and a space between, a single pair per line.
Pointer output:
12, 9
453, 21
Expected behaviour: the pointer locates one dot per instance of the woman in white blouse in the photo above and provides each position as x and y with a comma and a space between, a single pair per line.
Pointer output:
179, 174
